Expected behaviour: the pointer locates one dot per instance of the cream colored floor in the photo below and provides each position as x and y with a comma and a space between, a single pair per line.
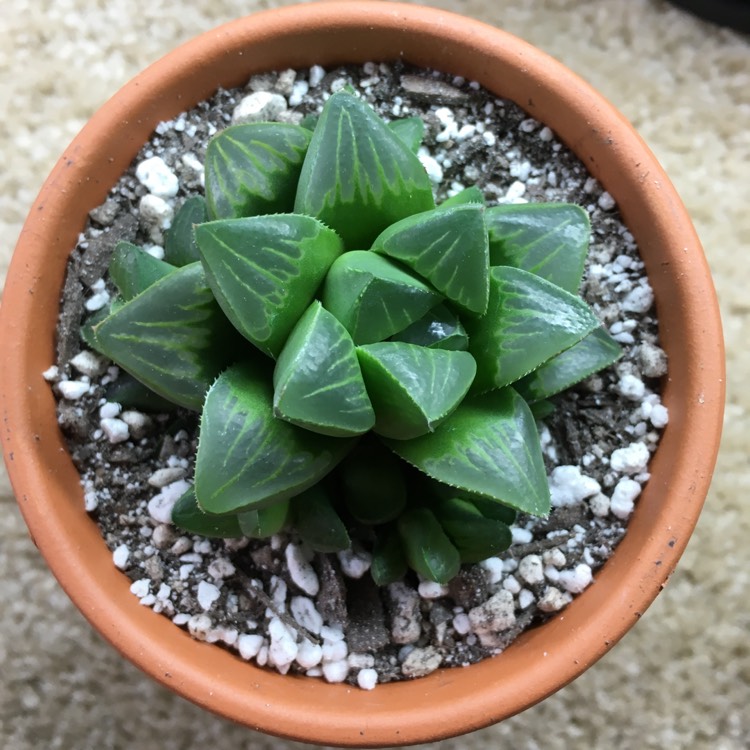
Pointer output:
681, 679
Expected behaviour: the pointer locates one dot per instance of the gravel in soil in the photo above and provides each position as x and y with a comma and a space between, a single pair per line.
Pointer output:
274, 601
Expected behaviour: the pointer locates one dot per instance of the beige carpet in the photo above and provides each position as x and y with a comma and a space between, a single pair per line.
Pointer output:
681, 679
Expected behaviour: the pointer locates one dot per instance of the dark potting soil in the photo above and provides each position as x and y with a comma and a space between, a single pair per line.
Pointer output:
273, 600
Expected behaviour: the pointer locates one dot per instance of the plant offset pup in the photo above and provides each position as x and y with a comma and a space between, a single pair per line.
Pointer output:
368, 365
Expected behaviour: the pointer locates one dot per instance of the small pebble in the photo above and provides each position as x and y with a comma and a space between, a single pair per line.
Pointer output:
115, 430
623, 497
367, 679
157, 177
421, 662
120, 557
309, 654
87, 363
631, 387
300, 570
72, 390
354, 564
303, 610
553, 600
260, 106
531, 569
432, 590
162, 477
577, 579
207, 594
606, 201
336, 671
249, 645
631, 459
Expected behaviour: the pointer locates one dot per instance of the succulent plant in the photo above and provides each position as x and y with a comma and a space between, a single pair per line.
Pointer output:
367, 364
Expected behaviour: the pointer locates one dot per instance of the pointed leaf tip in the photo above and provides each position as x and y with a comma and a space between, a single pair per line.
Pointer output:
265, 270
413, 388
488, 446
318, 382
448, 247
248, 459
358, 175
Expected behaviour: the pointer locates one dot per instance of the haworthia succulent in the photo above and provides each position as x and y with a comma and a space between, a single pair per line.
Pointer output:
263, 522
388, 561
248, 459
318, 523
189, 516
413, 388
253, 169
358, 175
427, 548
132, 394
475, 537
449, 248
133, 270
172, 337
593, 353
410, 130
548, 239
488, 446
373, 297
471, 194
317, 380
179, 242
265, 270
372, 502
440, 328
528, 321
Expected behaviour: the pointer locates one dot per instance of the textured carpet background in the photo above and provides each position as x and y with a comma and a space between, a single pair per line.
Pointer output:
681, 678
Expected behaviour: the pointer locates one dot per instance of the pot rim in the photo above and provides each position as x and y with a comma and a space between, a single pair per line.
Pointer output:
450, 701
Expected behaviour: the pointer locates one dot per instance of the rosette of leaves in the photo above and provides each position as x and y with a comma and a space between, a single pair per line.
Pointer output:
366, 363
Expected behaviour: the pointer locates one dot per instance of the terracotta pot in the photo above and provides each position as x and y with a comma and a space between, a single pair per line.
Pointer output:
447, 702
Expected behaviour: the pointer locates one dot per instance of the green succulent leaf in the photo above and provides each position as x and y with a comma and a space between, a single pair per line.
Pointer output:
87, 329
529, 320
440, 328
492, 509
388, 561
189, 516
263, 522
358, 175
247, 459
488, 508
318, 382
475, 537
253, 169
488, 446
374, 298
132, 394
550, 240
265, 270
179, 242
471, 194
427, 548
172, 337
593, 353
372, 484
413, 388
410, 130
542, 409
449, 248
133, 270
318, 523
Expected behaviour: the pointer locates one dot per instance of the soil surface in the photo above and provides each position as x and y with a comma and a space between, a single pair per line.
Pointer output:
256, 596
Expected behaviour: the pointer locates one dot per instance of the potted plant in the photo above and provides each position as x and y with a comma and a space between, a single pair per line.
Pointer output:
543, 659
